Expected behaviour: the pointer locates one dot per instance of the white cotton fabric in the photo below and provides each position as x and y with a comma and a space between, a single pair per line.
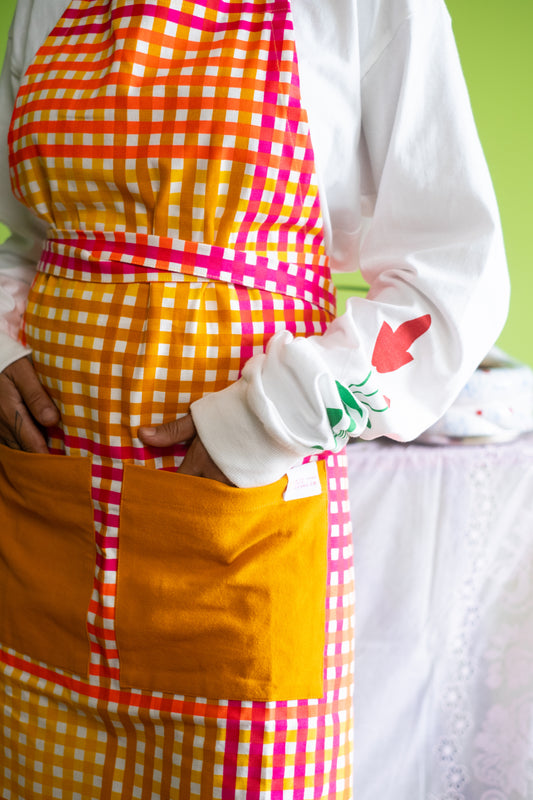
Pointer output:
406, 198
444, 642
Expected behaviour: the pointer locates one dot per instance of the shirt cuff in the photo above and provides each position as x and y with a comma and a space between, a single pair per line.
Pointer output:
11, 350
239, 444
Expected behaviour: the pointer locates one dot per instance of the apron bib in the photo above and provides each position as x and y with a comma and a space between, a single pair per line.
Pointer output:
166, 146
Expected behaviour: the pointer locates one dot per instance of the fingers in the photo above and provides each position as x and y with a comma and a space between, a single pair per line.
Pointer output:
178, 430
36, 399
197, 460
23, 402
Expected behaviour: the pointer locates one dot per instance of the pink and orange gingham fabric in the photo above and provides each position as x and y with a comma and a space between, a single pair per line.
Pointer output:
166, 145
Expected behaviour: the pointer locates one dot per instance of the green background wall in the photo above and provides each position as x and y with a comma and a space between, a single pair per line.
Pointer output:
495, 43
494, 40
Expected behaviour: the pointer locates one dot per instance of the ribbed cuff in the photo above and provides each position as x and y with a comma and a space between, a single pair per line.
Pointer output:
238, 442
10, 350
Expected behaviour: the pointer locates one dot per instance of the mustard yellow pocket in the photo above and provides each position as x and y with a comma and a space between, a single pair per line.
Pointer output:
221, 591
47, 555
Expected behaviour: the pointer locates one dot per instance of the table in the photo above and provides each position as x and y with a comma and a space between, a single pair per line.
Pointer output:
444, 621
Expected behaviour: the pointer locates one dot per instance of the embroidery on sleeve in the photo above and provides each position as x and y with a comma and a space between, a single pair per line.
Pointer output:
391, 348
352, 415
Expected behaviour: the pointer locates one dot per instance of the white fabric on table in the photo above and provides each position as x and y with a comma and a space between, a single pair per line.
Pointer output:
444, 626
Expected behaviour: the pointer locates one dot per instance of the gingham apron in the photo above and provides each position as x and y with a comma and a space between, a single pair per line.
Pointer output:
166, 146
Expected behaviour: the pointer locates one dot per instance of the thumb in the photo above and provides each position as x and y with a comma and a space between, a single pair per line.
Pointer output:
177, 430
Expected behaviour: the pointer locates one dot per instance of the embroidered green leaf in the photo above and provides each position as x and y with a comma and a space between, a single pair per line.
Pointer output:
348, 399
376, 410
346, 396
334, 416
365, 380
353, 388
352, 426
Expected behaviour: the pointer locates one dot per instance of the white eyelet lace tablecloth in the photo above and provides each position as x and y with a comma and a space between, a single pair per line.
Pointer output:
444, 629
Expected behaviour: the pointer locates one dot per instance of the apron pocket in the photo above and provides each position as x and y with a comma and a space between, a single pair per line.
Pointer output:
221, 591
47, 556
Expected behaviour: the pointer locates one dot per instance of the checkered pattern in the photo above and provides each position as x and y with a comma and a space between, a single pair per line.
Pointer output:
181, 120
134, 256
129, 113
118, 355
76, 740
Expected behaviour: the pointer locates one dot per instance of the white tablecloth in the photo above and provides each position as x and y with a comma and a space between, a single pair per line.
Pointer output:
444, 621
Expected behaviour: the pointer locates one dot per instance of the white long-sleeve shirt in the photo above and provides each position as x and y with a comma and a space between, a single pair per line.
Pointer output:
406, 198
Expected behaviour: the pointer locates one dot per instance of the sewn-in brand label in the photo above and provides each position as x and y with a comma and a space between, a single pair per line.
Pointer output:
304, 481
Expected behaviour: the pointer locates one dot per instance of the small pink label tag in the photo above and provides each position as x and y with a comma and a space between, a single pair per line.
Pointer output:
304, 481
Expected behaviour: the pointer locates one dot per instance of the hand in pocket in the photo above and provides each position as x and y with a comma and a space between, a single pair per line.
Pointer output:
197, 461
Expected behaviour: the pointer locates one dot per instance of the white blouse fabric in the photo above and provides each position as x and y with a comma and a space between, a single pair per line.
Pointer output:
406, 199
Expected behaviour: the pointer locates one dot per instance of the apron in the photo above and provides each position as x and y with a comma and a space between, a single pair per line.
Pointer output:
165, 636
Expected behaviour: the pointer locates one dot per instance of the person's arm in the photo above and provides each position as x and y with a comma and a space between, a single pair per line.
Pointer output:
19, 254
24, 404
432, 253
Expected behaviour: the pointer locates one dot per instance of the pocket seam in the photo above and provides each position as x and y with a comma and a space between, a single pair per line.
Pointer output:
149, 653
47, 561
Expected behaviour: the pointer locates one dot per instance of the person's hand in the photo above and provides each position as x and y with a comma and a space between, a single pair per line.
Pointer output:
197, 460
24, 406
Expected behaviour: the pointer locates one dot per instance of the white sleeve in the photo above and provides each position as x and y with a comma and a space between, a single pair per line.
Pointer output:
433, 256
20, 253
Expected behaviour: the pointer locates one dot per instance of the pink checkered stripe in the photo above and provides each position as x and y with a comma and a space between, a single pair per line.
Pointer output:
271, 210
116, 258
263, 751
267, 751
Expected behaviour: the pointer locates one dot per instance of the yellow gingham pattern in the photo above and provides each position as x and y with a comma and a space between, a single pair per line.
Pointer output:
99, 147
120, 355
113, 356
191, 127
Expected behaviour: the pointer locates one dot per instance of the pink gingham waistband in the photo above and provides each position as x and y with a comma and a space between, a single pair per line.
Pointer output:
131, 257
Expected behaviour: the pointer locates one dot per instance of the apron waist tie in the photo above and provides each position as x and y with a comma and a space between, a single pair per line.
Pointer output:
124, 257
